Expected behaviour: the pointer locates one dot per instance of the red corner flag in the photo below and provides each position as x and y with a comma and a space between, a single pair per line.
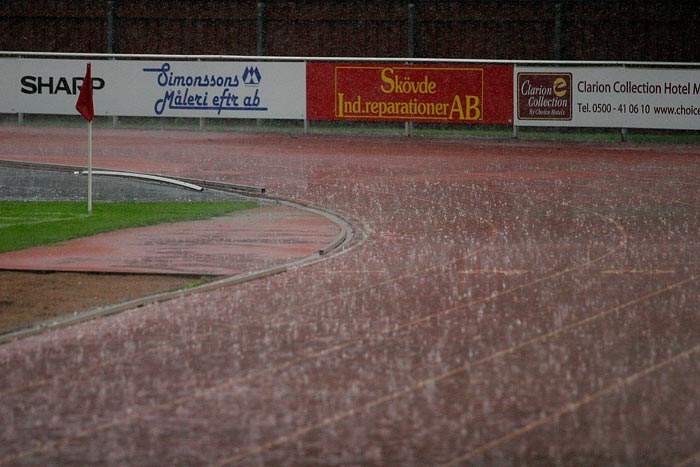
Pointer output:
84, 104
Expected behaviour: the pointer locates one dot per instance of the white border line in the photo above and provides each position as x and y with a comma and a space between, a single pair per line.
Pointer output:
155, 178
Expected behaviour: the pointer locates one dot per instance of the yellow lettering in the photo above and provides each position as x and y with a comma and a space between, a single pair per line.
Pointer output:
395, 84
470, 110
340, 105
389, 81
348, 107
356, 107
457, 107
472, 105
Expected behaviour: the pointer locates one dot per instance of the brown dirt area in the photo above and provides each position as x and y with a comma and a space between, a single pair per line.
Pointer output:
32, 297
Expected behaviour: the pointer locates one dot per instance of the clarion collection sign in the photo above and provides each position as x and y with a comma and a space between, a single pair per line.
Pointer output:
544, 96
607, 97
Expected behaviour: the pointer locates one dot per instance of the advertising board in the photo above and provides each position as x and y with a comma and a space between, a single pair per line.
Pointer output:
415, 93
572, 96
613, 97
153, 89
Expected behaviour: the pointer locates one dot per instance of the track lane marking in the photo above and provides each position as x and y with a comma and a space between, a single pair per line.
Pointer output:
495, 272
621, 272
191, 338
377, 336
275, 321
572, 407
407, 390
448, 374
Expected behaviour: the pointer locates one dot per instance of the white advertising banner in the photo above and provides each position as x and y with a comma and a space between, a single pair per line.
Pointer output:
614, 97
8, 88
274, 90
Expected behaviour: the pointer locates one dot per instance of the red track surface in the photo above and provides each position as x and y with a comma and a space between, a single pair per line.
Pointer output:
227, 245
505, 303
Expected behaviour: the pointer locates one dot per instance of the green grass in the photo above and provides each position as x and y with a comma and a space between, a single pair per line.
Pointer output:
27, 224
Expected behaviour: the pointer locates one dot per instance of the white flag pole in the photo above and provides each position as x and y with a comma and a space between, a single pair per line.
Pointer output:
90, 168
85, 107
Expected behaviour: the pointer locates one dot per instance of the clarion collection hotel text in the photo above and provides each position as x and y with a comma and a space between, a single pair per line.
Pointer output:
629, 87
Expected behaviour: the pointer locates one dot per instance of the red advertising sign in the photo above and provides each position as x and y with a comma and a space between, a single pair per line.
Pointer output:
415, 93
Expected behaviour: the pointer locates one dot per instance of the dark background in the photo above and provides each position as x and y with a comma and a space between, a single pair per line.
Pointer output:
480, 29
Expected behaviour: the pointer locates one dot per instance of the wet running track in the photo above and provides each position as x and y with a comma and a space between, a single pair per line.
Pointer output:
502, 303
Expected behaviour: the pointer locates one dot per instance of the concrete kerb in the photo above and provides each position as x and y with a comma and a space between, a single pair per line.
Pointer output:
104, 311
212, 185
147, 177
341, 244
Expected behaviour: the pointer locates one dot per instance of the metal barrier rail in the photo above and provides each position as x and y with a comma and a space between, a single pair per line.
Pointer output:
267, 58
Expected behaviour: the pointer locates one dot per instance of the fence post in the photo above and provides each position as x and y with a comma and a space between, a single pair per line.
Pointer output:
411, 30
112, 42
201, 119
115, 118
408, 130
558, 18
623, 131
110, 27
260, 21
20, 116
260, 48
